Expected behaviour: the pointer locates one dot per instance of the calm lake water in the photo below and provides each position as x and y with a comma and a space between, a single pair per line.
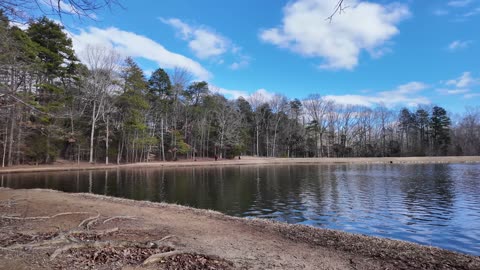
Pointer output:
432, 204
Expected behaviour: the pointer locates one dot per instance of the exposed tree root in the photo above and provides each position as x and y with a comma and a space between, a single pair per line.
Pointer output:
119, 217
88, 220
96, 232
102, 244
82, 237
44, 217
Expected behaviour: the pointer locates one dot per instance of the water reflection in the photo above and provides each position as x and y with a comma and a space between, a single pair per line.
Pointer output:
434, 204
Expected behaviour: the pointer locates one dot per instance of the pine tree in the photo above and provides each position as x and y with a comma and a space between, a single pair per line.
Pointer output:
440, 125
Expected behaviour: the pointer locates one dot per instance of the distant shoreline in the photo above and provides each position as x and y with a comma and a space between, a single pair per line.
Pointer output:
252, 161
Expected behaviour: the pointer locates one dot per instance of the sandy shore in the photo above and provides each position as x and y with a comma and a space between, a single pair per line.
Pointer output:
223, 241
244, 161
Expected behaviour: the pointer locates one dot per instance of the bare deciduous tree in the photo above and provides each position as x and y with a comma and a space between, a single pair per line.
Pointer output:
104, 65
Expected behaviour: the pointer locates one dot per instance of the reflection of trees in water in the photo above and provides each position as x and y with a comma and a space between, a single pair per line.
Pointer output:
296, 192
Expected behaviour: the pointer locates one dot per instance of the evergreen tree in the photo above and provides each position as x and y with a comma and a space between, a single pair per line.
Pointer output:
440, 125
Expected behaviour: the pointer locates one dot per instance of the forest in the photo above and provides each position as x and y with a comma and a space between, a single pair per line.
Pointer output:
105, 110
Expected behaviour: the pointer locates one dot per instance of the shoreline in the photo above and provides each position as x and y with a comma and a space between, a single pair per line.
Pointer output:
245, 161
247, 243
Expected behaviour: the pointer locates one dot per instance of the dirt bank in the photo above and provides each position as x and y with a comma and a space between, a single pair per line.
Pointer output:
67, 166
48, 229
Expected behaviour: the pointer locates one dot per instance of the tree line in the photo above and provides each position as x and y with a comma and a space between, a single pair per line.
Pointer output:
105, 110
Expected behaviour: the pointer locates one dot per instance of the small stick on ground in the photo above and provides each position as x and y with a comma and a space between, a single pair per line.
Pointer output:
160, 256
164, 238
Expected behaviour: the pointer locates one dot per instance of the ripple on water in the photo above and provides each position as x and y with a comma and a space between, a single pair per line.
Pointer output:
430, 204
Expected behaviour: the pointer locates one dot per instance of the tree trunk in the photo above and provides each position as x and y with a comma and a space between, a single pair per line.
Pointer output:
78, 154
106, 141
258, 135
4, 146
92, 133
321, 144
274, 140
10, 143
161, 139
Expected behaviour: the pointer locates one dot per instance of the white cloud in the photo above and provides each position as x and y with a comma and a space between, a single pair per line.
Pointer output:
406, 94
459, 45
241, 63
261, 93
23, 26
464, 81
134, 45
363, 26
459, 3
203, 42
265, 93
453, 91
206, 44
234, 94
460, 86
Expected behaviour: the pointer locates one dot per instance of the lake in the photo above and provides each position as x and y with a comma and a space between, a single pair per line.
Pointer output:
431, 204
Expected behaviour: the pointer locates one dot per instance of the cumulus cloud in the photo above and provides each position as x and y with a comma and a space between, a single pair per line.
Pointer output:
261, 93
459, 45
134, 45
464, 81
229, 93
406, 94
365, 26
460, 86
205, 43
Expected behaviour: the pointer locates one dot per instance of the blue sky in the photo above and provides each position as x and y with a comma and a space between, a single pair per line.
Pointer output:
404, 53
